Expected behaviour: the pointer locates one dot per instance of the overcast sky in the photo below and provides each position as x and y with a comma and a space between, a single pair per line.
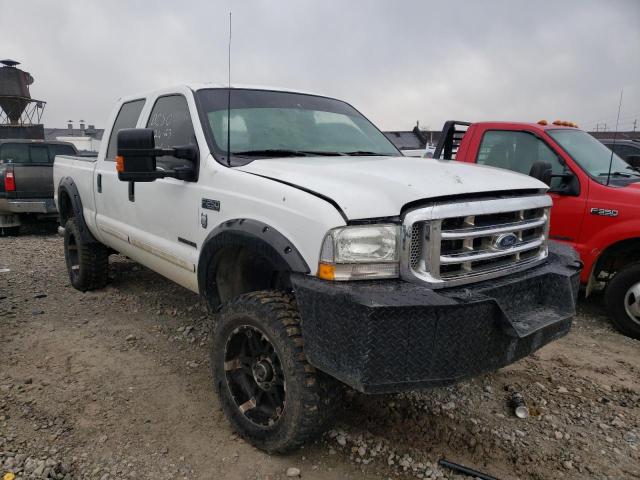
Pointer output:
396, 61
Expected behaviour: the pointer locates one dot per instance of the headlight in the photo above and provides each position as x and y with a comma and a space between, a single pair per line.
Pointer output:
359, 253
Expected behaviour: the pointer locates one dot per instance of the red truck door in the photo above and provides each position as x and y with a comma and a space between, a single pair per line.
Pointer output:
516, 148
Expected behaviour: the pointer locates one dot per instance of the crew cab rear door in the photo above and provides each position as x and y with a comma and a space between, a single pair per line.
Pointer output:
115, 210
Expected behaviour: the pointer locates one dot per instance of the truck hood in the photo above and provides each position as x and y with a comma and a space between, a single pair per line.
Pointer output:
370, 187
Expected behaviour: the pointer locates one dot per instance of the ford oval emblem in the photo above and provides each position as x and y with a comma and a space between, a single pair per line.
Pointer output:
504, 241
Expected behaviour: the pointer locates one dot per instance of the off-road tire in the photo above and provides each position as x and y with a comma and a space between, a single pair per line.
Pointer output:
311, 397
87, 263
615, 297
9, 231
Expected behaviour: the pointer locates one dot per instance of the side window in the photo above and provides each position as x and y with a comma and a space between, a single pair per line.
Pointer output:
127, 118
171, 123
516, 151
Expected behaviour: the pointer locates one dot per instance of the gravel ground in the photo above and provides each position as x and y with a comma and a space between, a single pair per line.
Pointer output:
115, 384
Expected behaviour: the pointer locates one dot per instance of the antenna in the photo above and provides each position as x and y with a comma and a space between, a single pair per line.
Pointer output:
229, 100
615, 134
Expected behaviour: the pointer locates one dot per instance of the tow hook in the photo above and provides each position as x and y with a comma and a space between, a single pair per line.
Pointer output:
61, 231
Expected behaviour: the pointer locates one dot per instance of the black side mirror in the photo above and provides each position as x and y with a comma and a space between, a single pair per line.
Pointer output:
136, 160
542, 171
570, 184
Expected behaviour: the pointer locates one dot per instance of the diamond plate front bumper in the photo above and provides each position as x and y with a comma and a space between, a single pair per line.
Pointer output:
393, 336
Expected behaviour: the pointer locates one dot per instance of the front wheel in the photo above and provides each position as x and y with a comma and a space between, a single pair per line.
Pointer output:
622, 298
272, 396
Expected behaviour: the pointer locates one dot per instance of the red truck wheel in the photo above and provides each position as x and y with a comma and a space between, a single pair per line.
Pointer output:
623, 300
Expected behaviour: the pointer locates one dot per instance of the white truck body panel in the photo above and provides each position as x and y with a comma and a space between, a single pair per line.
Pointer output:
148, 231
369, 187
81, 169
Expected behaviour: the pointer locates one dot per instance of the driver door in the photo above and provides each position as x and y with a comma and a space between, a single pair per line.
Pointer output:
518, 150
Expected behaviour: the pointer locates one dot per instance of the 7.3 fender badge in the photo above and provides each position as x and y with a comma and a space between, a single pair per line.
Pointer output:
604, 212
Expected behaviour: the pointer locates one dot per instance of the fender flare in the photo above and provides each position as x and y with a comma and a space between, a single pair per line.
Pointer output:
255, 235
68, 187
604, 248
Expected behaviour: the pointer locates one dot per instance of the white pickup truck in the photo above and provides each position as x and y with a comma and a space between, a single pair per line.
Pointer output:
327, 257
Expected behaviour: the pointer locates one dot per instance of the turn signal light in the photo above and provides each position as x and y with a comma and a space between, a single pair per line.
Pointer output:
542, 122
326, 271
9, 182
119, 164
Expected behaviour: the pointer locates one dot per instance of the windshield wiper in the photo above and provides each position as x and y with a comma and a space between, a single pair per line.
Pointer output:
274, 152
619, 174
277, 152
364, 153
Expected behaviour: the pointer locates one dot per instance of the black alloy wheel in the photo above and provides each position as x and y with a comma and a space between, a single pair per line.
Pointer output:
254, 375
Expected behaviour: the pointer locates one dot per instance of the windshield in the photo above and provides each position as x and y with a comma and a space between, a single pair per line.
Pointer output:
274, 124
592, 156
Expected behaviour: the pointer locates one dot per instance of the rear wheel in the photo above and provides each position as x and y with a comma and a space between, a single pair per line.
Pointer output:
623, 300
272, 396
87, 263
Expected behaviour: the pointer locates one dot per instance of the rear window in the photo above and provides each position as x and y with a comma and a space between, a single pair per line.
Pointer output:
14, 153
33, 153
62, 150
39, 154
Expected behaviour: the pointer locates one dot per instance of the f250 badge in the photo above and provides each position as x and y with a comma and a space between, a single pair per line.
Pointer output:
211, 204
604, 212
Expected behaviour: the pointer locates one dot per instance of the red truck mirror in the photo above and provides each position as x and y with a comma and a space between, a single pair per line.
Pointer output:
542, 171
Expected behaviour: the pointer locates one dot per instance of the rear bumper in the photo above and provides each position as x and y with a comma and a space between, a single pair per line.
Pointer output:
392, 336
36, 205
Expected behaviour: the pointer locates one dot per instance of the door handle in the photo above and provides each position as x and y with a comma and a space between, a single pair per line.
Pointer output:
99, 180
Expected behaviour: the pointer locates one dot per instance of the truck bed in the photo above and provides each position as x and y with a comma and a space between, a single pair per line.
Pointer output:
80, 169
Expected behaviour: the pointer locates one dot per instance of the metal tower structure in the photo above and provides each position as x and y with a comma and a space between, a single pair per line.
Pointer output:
20, 115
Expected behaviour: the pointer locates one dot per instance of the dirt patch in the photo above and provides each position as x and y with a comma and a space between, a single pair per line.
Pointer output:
116, 384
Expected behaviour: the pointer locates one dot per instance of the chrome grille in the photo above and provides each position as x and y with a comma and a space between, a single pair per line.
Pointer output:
417, 236
469, 241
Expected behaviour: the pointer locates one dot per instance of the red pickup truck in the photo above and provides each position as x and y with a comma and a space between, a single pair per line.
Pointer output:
596, 198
